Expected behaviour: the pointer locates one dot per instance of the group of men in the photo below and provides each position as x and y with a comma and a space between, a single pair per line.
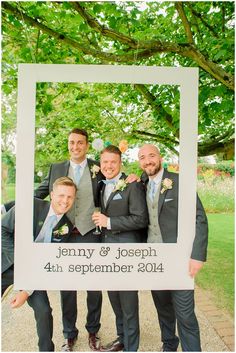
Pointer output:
131, 212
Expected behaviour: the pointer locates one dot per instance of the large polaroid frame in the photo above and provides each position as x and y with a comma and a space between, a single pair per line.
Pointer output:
139, 270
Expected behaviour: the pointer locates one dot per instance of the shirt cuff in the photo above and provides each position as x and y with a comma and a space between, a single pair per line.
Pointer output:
30, 292
3, 209
108, 223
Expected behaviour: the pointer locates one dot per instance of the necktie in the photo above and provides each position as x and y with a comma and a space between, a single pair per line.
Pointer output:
48, 227
77, 174
152, 189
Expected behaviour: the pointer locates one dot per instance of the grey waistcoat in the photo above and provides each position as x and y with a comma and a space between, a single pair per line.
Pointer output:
154, 233
81, 212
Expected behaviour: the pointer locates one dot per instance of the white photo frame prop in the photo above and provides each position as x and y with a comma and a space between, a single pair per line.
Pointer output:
104, 266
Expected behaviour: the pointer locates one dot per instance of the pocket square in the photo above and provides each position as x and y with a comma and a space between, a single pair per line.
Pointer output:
117, 197
167, 200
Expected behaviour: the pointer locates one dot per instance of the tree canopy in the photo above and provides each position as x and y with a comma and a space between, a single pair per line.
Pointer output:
196, 34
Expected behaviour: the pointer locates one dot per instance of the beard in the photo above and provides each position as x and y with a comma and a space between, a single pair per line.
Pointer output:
152, 169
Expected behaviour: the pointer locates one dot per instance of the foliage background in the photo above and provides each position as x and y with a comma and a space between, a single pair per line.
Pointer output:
198, 34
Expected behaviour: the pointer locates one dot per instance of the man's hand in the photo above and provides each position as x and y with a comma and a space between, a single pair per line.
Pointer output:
131, 178
194, 267
19, 299
100, 219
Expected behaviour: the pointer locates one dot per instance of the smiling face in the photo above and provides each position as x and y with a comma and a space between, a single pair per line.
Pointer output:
150, 160
78, 147
62, 198
110, 164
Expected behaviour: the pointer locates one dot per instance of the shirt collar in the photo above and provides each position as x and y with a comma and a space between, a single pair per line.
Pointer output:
82, 164
158, 177
52, 213
117, 178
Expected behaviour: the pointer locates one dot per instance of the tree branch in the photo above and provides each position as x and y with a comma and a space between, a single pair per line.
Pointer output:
187, 27
147, 49
201, 18
207, 149
156, 106
37, 46
170, 143
103, 30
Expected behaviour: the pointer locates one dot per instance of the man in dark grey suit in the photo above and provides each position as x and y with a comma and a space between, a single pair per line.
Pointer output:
50, 225
86, 174
123, 217
162, 186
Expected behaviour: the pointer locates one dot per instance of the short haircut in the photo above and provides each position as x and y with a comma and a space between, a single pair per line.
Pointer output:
112, 149
64, 181
79, 132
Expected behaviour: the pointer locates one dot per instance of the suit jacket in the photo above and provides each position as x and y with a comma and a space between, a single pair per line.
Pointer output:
128, 213
58, 170
41, 208
168, 217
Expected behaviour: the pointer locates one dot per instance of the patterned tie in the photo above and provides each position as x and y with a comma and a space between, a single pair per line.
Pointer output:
47, 229
77, 174
152, 189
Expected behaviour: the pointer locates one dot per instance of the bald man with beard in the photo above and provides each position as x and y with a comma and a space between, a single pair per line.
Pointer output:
162, 200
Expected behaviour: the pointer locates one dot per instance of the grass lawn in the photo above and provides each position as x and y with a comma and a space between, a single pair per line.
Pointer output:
217, 275
10, 193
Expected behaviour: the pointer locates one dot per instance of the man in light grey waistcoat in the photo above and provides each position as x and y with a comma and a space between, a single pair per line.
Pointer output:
86, 175
162, 201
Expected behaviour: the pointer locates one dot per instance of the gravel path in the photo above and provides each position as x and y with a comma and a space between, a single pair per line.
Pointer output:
19, 332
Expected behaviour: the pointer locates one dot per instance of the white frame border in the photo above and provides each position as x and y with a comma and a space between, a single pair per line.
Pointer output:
29, 256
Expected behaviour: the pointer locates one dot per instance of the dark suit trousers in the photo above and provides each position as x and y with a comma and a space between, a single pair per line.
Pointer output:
179, 304
125, 307
7, 278
44, 321
69, 300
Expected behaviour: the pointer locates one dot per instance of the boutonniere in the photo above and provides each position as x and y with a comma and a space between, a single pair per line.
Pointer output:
62, 230
94, 169
120, 185
166, 185
40, 223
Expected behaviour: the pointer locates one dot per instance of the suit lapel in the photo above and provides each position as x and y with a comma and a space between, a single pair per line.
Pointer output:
162, 195
40, 217
110, 198
103, 207
56, 237
95, 181
123, 176
65, 168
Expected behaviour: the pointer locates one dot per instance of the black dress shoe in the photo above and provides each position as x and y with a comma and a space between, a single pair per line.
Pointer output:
115, 346
68, 345
94, 342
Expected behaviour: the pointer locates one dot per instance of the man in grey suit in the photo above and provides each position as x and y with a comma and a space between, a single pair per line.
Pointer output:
163, 225
50, 225
86, 174
123, 217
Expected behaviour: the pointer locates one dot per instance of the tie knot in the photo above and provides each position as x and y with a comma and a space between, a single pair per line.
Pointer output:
109, 181
52, 219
